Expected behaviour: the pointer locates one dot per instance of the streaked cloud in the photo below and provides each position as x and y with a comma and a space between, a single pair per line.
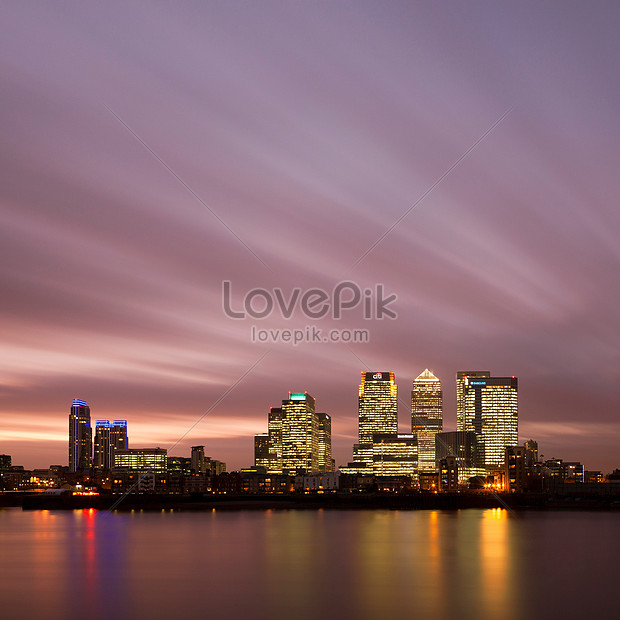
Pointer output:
309, 128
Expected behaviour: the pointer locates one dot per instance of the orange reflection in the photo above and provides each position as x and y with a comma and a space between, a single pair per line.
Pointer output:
494, 559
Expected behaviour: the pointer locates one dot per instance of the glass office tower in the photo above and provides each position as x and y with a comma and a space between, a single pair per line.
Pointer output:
377, 411
461, 375
490, 409
426, 417
300, 434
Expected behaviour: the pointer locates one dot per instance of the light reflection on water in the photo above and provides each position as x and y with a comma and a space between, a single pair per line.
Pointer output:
307, 564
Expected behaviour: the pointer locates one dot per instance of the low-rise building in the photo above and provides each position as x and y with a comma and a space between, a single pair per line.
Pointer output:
141, 459
318, 483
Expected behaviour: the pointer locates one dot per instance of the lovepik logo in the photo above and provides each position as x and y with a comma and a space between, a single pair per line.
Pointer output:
314, 303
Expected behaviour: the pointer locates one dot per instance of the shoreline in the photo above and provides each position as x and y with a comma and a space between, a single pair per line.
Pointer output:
353, 501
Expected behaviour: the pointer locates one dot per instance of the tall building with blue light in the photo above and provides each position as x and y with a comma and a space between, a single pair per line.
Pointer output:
80, 436
109, 437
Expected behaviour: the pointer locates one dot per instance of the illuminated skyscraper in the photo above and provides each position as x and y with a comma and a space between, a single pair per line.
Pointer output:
326, 463
490, 409
101, 448
118, 437
80, 436
426, 417
109, 437
300, 434
378, 411
461, 375
274, 427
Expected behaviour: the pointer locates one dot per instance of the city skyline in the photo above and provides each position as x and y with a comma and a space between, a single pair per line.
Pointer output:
481, 393
463, 158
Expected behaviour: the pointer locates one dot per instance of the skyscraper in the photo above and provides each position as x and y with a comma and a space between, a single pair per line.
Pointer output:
109, 437
274, 427
118, 437
80, 436
300, 434
377, 410
101, 447
426, 417
461, 375
325, 443
490, 409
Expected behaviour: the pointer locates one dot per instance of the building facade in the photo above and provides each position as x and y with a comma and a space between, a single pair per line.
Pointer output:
377, 412
448, 474
426, 417
326, 463
80, 436
395, 454
300, 434
463, 445
141, 459
461, 375
198, 460
109, 437
274, 427
262, 453
515, 468
490, 409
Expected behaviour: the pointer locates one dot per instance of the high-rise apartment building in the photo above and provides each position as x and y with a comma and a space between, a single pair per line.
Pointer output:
377, 410
426, 417
109, 437
118, 437
198, 460
300, 434
80, 436
101, 445
461, 375
490, 409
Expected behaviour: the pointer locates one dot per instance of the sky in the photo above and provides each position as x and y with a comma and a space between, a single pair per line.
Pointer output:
151, 151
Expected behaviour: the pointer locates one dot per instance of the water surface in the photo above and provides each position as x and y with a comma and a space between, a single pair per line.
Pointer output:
308, 564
